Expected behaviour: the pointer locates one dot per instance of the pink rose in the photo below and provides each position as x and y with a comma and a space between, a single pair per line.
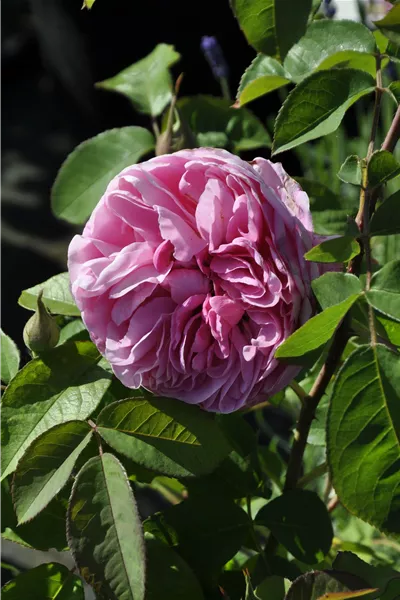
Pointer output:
190, 273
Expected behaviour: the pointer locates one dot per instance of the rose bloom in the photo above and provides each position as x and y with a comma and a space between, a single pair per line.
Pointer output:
190, 273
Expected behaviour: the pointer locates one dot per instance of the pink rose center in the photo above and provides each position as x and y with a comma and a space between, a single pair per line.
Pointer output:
190, 273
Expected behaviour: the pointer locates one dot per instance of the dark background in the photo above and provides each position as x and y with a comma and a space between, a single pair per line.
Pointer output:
52, 54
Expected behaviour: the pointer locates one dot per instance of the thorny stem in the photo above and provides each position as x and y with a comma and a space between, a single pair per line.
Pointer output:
298, 390
375, 121
309, 406
333, 504
393, 134
377, 107
368, 201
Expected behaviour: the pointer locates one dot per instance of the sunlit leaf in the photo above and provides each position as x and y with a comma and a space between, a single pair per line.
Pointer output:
164, 435
87, 171
264, 75
272, 26
384, 294
328, 43
46, 467
315, 332
9, 358
147, 83
317, 106
56, 296
49, 581
350, 171
364, 422
104, 530
382, 167
65, 384
336, 250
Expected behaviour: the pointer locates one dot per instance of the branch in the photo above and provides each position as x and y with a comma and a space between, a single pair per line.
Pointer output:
309, 406
393, 134
307, 415
369, 200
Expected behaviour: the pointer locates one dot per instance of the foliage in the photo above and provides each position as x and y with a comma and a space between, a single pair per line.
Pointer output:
241, 519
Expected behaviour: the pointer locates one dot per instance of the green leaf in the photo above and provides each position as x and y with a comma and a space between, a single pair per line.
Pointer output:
45, 582
394, 87
326, 44
88, 4
169, 577
147, 83
363, 433
9, 358
56, 296
46, 467
330, 585
235, 476
337, 250
298, 519
317, 435
272, 26
87, 171
391, 328
382, 167
264, 75
317, 331
390, 24
384, 294
333, 288
7, 514
350, 171
381, 41
164, 435
385, 578
326, 220
75, 331
63, 385
393, 51
271, 588
104, 530
386, 219
45, 532
317, 106
207, 531
216, 123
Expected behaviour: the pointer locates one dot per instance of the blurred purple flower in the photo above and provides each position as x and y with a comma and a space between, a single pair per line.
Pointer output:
214, 56
329, 9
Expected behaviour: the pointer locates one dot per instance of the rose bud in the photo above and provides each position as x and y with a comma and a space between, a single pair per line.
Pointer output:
41, 332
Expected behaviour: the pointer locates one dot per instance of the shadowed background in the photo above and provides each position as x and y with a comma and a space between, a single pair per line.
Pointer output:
52, 54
